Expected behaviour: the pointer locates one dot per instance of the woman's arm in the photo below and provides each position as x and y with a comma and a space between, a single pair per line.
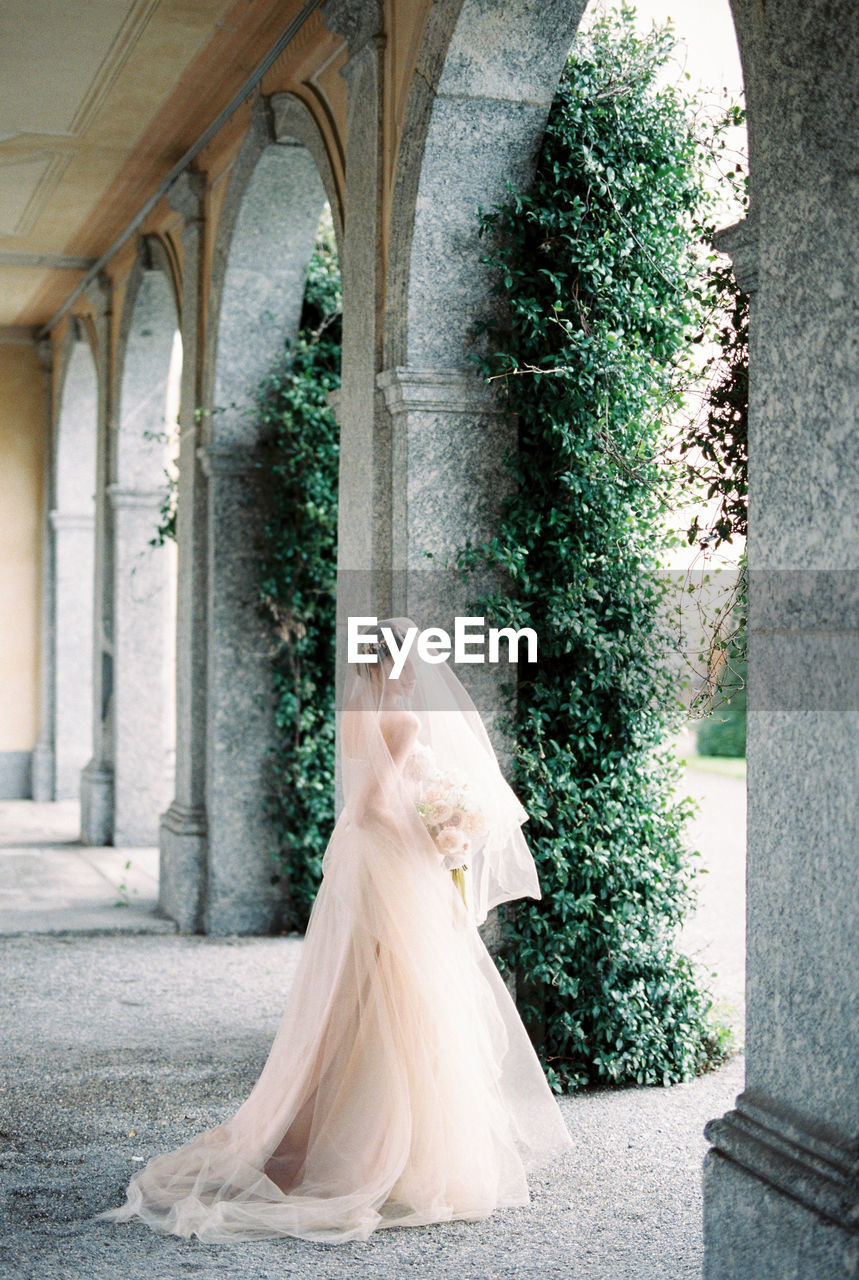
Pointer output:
399, 731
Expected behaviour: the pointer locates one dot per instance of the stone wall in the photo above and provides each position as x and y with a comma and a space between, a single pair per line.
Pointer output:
22, 454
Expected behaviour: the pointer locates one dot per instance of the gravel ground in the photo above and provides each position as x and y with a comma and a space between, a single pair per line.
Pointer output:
122, 1046
123, 1040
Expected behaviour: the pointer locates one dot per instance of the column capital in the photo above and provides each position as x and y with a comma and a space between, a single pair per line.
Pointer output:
121, 497
741, 242
61, 520
438, 391
186, 194
228, 459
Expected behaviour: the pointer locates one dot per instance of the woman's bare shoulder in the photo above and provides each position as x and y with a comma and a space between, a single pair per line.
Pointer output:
399, 718
399, 726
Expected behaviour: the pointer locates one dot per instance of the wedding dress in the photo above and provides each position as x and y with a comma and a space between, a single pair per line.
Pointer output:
401, 1087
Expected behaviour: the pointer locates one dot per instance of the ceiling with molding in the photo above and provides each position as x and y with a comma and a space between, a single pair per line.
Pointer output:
85, 99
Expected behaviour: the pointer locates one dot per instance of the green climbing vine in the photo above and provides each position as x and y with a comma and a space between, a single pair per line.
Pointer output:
601, 272
298, 579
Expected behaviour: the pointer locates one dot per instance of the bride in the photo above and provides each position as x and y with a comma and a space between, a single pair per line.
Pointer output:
401, 1087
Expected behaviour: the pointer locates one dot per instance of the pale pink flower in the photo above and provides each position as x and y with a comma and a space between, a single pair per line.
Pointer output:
451, 841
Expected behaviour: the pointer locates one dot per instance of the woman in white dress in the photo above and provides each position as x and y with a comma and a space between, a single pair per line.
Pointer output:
401, 1087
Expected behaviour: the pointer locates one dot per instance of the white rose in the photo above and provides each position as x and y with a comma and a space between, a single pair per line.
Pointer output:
452, 843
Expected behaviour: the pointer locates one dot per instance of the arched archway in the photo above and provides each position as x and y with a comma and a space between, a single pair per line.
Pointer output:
141, 711
73, 523
279, 186
479, 100
475, 117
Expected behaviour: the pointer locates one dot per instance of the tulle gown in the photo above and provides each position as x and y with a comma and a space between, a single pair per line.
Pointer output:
401, 1087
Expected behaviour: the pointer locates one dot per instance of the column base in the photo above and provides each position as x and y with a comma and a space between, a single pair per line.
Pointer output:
42, 776
754, 1232
183, 842
96, 805
242, 914
781, 1197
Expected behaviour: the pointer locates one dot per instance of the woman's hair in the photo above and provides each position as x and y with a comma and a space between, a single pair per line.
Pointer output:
371, 670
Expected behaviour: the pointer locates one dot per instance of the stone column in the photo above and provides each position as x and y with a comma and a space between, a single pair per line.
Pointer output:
240, 896
43, 764
97, 777
73, 538
143, 647
364, 511
477, 108
448, 439
781, 1183
182, 836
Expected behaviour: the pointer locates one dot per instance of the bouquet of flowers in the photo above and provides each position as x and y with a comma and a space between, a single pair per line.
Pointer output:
452, 818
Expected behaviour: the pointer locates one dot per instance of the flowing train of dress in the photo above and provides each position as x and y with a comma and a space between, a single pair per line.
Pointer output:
401, 1087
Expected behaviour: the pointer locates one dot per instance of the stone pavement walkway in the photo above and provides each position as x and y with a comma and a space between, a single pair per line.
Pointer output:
120, 1043
51, 883
715, 935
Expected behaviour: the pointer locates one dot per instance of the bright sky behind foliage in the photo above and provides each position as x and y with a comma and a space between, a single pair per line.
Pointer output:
706, 51
706, 30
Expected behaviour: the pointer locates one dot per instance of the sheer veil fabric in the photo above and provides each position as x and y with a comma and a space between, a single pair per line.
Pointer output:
401, 1087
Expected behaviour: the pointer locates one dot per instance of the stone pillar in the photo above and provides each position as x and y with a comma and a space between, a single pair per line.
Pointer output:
364, 510
781, 1182
478, 104
43, 762
449, 437
97, 777
65, 742
239, 895
182, 836
73, 537
142, 751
